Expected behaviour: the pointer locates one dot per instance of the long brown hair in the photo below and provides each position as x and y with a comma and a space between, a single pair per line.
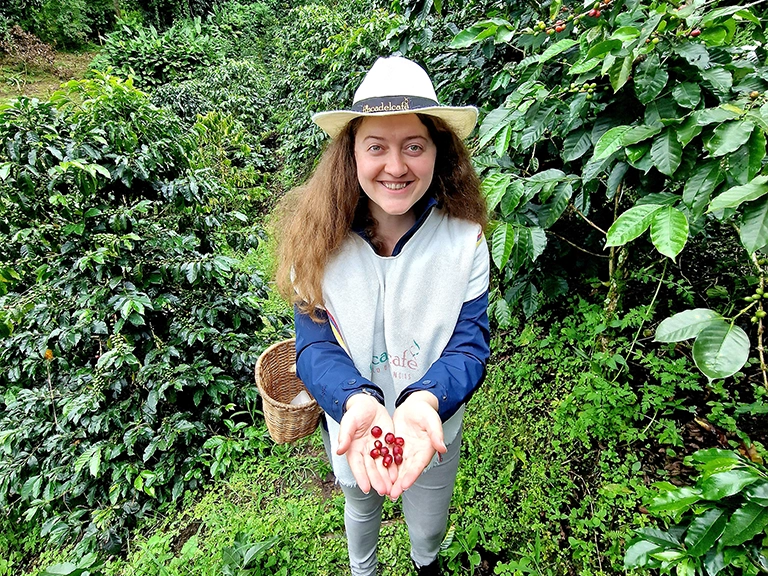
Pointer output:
313, 219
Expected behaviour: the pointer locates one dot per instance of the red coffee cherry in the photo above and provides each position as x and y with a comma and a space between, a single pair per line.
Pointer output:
375, 453
390, 438
399, 440
398, 459
384, 450
375, 431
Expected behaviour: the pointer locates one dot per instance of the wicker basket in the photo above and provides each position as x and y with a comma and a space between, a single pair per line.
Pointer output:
278, 384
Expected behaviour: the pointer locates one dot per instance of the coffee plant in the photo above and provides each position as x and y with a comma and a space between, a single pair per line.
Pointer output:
129, 325
720, 522
153, 57
652, 106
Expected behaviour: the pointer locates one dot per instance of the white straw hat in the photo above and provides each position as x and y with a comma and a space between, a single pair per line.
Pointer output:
396, 85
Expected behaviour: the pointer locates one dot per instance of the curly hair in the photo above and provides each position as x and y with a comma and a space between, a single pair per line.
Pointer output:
313, 219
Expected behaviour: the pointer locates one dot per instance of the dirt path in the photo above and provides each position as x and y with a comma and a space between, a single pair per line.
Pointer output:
18, 79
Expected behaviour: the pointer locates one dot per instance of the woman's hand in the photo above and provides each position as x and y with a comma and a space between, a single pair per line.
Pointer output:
419, 424
355, 440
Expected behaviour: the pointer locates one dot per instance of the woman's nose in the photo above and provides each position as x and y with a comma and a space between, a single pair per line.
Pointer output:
396, 165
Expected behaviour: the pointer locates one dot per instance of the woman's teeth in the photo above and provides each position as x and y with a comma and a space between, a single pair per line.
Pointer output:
395, 185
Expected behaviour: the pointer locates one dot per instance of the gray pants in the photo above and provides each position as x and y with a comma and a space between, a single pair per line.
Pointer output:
425, 506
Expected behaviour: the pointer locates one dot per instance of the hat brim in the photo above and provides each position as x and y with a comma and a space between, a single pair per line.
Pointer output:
461, 119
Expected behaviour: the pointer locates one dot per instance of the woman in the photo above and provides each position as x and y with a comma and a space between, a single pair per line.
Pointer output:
383, 255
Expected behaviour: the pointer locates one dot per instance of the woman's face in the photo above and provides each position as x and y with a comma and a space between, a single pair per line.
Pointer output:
395, 159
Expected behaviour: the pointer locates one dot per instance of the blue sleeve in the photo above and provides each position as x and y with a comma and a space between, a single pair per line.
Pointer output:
460, 370
325, 367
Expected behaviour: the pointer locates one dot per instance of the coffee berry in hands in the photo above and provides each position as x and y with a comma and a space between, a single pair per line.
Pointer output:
396, 442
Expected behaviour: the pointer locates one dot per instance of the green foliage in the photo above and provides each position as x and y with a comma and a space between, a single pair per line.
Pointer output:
129, 337
559, 443
646, 106
67, 24
719, 524
153, 57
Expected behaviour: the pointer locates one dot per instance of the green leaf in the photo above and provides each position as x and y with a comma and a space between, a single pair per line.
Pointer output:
626, 34
719, 78
715, 116
5, 170
600, 49
733, 197
746, 523
663, 539
714, 35
720, 13
720, 350
502, 241
728, 137
631, 224
610, 142
704, 531
494, 187
638, 554
639, 133
666, 152
513, 197
473, 34
687, 94
575, 145
701, 184
713, 460
696, 54
64, 569
675, 501
714, 562
756, 149
758, 493
557, 48
688, 130
95, 462
620, 72
727, 483
685, 325
493, 123
669, 231
553, 209
538, 242
754, 226
502, 140
586, 66
650, 79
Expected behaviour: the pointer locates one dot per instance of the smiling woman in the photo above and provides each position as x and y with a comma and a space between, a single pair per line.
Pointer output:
382, 252
395, 159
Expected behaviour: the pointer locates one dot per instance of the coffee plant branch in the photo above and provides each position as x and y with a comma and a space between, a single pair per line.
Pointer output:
760, 326
588, 221
564, 239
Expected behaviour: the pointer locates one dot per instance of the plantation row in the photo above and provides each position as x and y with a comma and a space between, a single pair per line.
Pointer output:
622, 148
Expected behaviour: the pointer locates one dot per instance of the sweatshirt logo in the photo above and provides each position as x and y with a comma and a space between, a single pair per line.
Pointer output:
405, 362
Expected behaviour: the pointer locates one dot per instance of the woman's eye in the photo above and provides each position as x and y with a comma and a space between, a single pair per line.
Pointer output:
374, 148
414, 148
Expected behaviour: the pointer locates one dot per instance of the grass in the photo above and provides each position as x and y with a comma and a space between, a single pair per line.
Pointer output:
40, 81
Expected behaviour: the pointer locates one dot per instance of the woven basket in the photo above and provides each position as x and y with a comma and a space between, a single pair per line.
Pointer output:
278, 384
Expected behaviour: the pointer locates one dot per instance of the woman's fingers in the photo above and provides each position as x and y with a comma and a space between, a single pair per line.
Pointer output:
359, 470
